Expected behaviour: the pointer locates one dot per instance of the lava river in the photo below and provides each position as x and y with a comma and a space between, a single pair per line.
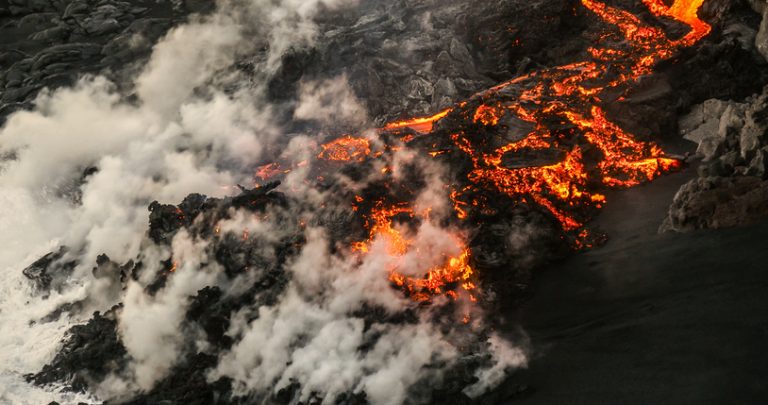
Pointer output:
556, 113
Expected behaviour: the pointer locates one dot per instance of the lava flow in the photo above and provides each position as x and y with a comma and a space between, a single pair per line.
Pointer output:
554, 114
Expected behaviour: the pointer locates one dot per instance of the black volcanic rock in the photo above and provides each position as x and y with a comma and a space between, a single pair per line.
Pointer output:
93, 350
47, 271
38, 271
188, 384
730, 131
52, 44
164, 221
90, 353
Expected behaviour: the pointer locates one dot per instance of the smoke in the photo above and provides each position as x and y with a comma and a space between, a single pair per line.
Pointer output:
186, 59
183, 135
286, 24
28, 342
149, 325
330, 102
505, 357
312, 337
88, 160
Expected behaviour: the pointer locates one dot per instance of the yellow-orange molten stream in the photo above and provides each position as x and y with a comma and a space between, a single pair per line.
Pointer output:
346, 149
572, 93
456, 272
685, 11
569, 94
421, 125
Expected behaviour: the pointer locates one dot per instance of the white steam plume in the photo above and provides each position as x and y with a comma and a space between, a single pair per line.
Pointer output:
184, 135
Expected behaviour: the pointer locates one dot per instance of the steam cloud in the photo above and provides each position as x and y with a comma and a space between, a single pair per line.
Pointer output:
184, 135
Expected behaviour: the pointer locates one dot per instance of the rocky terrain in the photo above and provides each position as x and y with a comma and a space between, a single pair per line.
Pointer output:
94, 351
731, 189
239, 318
50, 44
402, 59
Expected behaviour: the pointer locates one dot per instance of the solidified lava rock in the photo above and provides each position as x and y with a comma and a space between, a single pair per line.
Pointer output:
38, 271
454, 52
94, 350
53, 43
90, 353
718, 202
165, 219
188, 384
49, 270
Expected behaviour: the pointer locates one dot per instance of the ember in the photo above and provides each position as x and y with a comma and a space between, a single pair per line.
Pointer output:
268, 171
346, 149
455, 271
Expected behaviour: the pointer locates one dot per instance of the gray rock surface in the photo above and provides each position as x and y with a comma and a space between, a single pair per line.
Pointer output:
761, 41
53, 43
718, 202
758, 5
703, 121
732, 189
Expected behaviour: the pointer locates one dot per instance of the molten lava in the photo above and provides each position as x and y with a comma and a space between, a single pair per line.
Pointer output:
571, 94
346, 149
420, 125
561, 106
268, 171
455, 272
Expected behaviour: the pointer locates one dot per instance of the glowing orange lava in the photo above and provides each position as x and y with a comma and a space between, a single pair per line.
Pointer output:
268, 171
487, 115
571, 94
456, 271
562, 106
346, 149
421, 125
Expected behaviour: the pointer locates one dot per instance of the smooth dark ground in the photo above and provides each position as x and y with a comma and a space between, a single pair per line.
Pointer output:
649, 318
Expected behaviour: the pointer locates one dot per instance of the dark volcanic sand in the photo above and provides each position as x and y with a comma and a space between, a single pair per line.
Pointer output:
652, 319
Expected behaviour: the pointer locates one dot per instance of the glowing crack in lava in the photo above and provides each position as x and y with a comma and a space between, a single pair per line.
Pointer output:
346, 149
559, 109
455, 272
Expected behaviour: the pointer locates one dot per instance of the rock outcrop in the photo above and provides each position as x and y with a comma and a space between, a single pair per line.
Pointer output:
732, 188
761, 40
